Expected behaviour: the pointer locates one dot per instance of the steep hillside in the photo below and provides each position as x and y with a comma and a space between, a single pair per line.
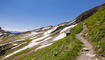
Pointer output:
88, 13
96, 31
95, 34
64, 49
23, 44
81, 39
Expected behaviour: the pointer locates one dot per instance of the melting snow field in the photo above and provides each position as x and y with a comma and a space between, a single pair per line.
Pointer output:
31, 34
62, 33
31, 44
49, 31
69, 27
45, 37
60, 36
34, 42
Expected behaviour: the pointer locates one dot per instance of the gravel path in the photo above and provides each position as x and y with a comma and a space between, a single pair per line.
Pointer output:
87, 53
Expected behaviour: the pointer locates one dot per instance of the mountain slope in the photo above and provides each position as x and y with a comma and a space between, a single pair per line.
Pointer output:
28, 42
95, 34
63, 49
96, 31
62, 42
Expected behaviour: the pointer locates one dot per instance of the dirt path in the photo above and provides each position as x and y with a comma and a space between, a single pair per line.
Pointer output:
87, 53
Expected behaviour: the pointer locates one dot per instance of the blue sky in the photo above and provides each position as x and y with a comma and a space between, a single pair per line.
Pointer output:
22, 15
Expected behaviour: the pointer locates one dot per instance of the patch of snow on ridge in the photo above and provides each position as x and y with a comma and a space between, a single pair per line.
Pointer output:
60, 36
66, 28
18, 40
51, 30
43, 37
62, 33
33, 33
34, 42
46, 39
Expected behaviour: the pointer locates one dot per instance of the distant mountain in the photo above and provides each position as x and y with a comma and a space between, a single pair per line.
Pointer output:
13, 32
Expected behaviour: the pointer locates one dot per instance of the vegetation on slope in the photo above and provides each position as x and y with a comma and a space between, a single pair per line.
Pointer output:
88, 13
64, 49
96, 31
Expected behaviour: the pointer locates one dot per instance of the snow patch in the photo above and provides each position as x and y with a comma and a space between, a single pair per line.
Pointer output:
45, 36
18, 40
60, 36
51, 30
30, 34
33, 33
66, 28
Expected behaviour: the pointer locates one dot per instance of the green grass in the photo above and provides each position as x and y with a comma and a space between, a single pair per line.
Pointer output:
65, 49
96, 31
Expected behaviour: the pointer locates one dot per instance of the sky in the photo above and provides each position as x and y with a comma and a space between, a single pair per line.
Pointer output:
23, 15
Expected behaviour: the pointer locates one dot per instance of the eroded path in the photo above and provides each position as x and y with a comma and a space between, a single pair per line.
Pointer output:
87, 53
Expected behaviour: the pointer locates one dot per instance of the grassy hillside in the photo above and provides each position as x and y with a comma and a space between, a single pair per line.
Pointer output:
69, 47
64, 49
96, 31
